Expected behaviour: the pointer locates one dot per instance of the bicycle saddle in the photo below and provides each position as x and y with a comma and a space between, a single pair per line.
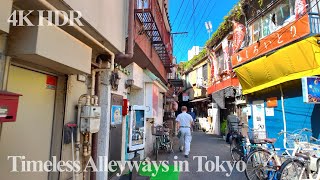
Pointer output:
269, 140
305, 156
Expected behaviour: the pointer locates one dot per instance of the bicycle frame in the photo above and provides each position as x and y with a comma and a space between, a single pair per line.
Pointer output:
274, 155
307, 163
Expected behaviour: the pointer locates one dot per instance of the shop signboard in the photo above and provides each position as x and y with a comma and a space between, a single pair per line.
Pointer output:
311, 89
287, 34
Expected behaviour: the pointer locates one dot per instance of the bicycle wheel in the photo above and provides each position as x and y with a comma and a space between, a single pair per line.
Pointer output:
235, 150
169, 147
292, 169
258, 165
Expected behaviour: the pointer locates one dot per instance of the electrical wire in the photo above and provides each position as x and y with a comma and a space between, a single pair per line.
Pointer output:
195, 36
179, 41
178, 11
187, 44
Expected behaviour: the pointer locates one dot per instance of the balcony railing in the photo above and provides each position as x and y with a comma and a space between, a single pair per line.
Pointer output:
150, 15
314, 23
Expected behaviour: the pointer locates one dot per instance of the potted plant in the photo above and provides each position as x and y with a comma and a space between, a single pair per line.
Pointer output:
223, 128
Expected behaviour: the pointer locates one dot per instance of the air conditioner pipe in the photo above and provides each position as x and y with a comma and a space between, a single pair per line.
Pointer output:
283, 119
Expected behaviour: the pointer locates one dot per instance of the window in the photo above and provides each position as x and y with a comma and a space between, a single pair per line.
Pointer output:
205, 72
314, 8
143, 4
256, 31
279, 16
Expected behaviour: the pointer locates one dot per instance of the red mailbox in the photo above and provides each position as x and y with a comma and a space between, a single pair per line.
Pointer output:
8, 106
125, 107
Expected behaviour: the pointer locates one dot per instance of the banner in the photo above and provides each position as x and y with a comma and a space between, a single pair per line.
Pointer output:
213, 65
300, 8
239, 32
225, 49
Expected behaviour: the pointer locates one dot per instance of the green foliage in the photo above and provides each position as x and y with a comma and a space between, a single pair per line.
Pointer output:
226, 26
189, 64
223, 127
260, 3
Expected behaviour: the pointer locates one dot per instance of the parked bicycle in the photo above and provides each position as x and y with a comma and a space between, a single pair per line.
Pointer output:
240, 147
163, 140
265, 163
305, 164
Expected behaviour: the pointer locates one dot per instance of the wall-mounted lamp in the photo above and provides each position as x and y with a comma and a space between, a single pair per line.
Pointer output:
114, 80
129, 83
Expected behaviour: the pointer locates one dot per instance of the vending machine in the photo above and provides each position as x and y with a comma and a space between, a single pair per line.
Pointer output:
137, 128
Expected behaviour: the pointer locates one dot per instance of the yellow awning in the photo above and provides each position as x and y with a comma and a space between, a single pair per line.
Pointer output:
289, 63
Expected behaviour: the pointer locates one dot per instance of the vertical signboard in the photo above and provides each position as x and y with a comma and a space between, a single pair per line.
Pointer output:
258, 115
155, 100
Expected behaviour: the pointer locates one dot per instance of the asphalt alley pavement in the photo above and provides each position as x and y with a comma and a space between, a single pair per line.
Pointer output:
213, 148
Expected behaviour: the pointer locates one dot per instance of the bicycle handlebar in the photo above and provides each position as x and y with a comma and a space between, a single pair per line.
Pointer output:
314, 139
294, 132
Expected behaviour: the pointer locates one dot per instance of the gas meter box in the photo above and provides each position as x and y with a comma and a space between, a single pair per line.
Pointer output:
90, 119
8, 106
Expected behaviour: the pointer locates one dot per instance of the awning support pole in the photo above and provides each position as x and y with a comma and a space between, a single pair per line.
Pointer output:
284, 119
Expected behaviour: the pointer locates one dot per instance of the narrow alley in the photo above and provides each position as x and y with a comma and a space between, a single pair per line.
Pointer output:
204, 145
106, 89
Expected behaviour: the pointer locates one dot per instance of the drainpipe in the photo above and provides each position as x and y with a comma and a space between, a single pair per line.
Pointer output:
284, 119
129, 50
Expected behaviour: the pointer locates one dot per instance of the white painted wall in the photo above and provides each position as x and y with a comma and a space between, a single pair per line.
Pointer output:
136, 73
108, 17
5, 11
195, 50
51, 47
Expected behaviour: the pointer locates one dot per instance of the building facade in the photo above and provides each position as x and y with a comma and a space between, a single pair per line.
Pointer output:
59, 70
273, 69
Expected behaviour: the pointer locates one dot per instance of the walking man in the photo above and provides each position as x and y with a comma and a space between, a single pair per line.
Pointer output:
184, 124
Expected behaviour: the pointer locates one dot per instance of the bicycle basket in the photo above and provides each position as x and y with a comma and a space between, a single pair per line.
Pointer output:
292, 139
157, 130
257, 137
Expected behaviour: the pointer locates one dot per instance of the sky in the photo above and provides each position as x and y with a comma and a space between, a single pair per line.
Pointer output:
190, 16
